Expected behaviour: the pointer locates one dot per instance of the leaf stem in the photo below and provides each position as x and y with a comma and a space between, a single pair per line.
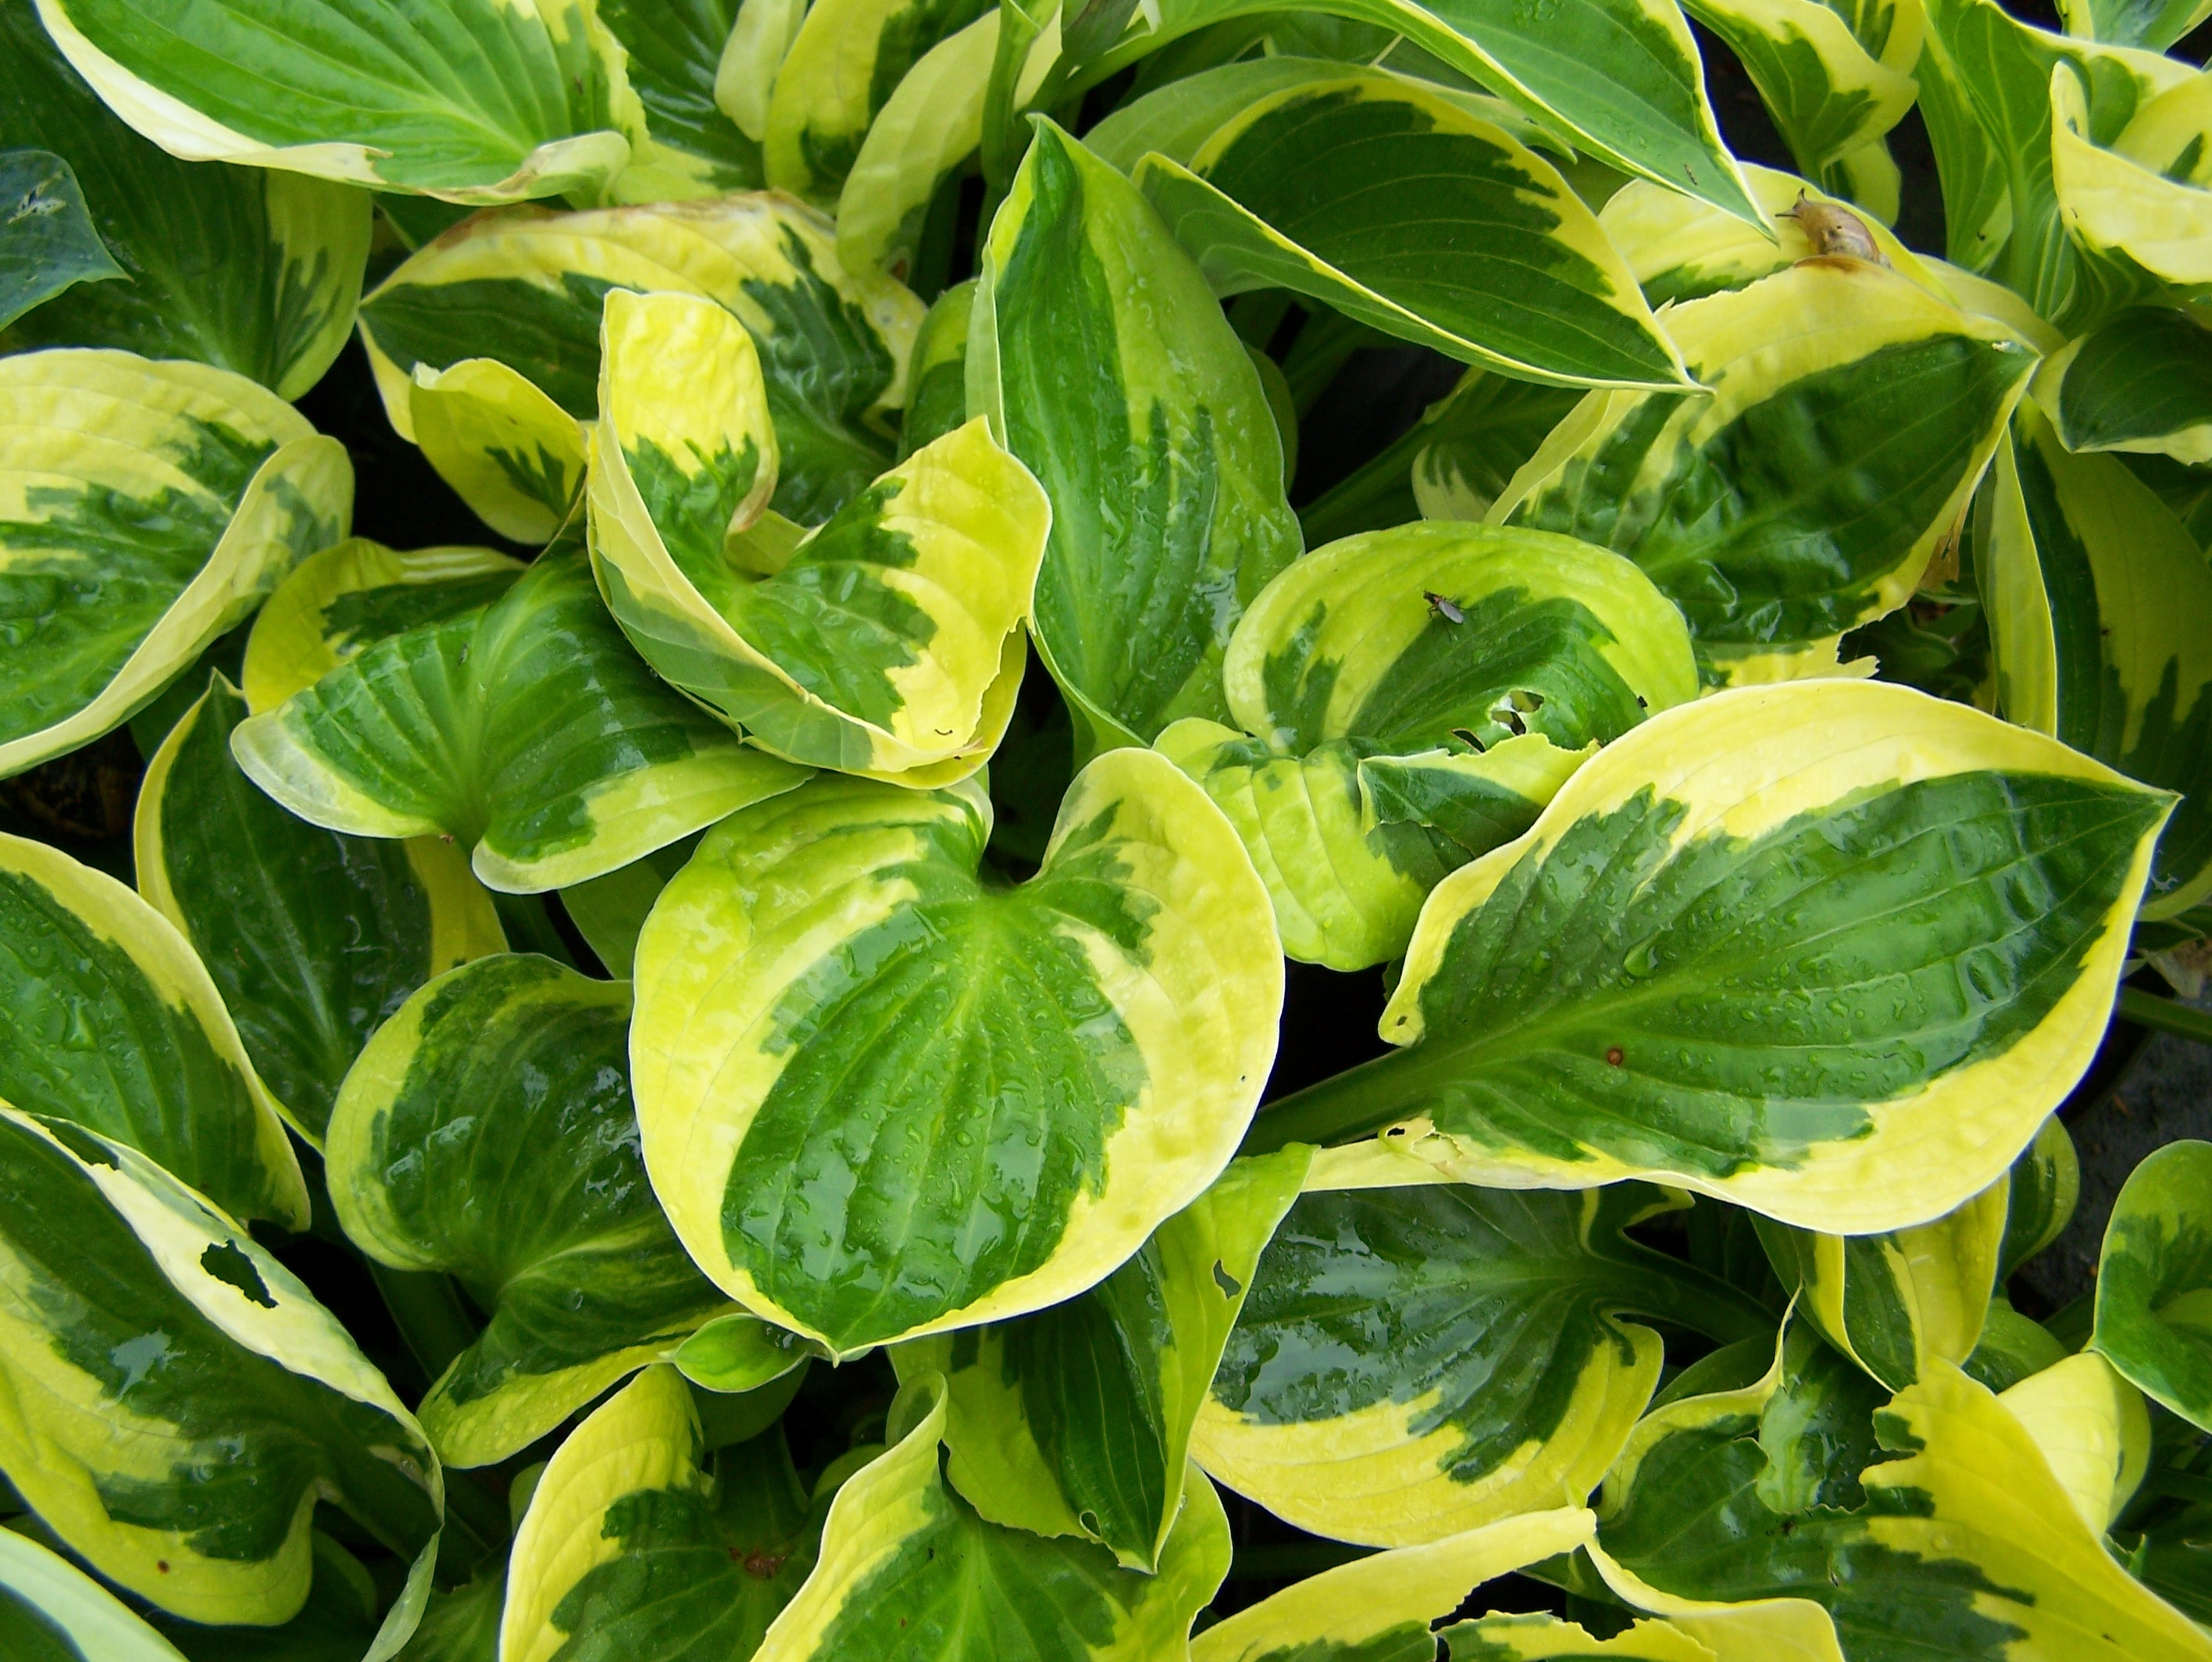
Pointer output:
427, 1311
2146, 1010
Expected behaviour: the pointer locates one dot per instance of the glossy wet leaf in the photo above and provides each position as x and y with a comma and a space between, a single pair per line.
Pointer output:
476, 102
908, 1573
887, 642
1076, 1419
1336, 189
487, 1132
47, 239
639, 1543
525, 287
1707, 973
2101, 622
111, 1021
882, 1097
1153, 439
185, 1399
145, 508
2154, 1281
312, 937
1415, 1362
246, 269
1851, 415
524, 728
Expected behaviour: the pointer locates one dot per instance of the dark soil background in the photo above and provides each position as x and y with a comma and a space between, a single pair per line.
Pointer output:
2144, 1090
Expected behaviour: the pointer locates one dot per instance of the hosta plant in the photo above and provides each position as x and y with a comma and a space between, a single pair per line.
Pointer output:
840, 829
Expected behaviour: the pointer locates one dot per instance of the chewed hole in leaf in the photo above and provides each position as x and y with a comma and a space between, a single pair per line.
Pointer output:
228, 1265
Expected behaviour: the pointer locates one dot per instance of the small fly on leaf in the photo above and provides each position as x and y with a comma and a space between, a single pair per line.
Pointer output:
1831, 230
1444, 607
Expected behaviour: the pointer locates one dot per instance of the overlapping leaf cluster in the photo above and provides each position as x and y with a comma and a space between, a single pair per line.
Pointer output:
1755, 721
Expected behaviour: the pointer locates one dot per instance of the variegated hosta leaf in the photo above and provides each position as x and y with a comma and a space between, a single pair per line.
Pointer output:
909, 1571
2100, 623
509, 451
525, 729
2144, 198
1850, 417
48, 243
1831, 93
608, 911
52, 1611
2012, 1347
1104, 364
1412, 1362
744, 79
2093, 1429
1403, 210
1957, 1532
524, 287
1986, 82
2154, 1281
691, 148
844, 62
477, 100
1473, 442
1175, 120
313, 938
2153, 24
937, 378
1416, 696
1619, 78
145, 509
487, 1132
925, 132
1076, 1419
2140, 382
2045, 1187
1684, 250
1839, 979
253, 271
339, 602
1498, 1638
887, 642
1896, 1302
181, 1400
1380, 1608
639, 1544
883, 1097
109, 1020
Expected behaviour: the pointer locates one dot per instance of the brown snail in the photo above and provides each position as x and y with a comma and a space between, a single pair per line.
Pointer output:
1831, 230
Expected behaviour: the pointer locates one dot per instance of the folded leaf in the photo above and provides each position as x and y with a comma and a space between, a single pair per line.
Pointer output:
882, 1097
2092, 1427
2140, 382
47, 241
1379, 1608
1412, 1362
839, 74
1840, 980
2154, 1281
52, 1611
937, 378
1620, 79
1400, 210
744, 79
525, 729
908, 1569
487, 1132
1160, 457
1897, 1302
927, 131
2153, 24
312, 937
110, 1020
691, 148
1175, 120
2147, 200
183, 1401
509, 451
639, 1543
524, 287
1850, 417
145, 509
477, 101
1472, 443
1076, 1419
1957, 1528
2100, 624
887, 642
2045, 1187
